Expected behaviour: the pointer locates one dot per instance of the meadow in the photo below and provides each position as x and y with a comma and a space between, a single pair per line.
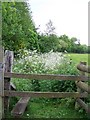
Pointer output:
76, 58
42, 107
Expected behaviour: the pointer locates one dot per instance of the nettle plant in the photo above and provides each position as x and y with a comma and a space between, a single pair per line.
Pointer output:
47, 63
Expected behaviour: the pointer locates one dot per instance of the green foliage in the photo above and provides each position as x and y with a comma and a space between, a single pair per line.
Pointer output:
67, 68
48, 43
36, 64
18, 28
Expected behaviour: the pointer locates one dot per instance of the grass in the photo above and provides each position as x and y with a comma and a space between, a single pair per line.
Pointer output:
51, 110
39, 108
76, 58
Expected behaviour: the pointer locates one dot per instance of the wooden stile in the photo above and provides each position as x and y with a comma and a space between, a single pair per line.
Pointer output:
18, 110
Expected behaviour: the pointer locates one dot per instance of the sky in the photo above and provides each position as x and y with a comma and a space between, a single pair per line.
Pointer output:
69, 17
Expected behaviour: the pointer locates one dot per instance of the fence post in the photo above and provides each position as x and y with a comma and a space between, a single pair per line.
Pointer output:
1, 83
8, 68
78, 89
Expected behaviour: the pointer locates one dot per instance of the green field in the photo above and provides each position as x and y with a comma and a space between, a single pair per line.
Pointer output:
76, 58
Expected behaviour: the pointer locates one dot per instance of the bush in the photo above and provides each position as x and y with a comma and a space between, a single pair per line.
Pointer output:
49, 63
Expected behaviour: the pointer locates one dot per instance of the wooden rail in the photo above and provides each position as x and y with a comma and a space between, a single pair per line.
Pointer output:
45, 94
46, 76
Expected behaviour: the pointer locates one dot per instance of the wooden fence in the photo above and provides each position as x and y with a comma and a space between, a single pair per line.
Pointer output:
20, 106
82, 86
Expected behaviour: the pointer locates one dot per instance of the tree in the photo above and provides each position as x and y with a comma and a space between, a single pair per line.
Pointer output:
18, 28
49, 28
62, 46
64, 41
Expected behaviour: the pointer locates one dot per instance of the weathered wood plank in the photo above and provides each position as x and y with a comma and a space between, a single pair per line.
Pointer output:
8, 68
1, 83
83, 68
83, 86
45, 94
20, 106
45, 76
83, 105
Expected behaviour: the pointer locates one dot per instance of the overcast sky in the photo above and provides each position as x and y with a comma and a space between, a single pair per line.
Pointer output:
69, 17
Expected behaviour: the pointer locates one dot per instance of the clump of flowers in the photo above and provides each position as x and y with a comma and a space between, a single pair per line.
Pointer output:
32, 60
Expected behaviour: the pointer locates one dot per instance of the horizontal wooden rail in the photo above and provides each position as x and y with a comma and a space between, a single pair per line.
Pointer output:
83, 68
20, 106
45, 94
46, 76
83, 105
83, 86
